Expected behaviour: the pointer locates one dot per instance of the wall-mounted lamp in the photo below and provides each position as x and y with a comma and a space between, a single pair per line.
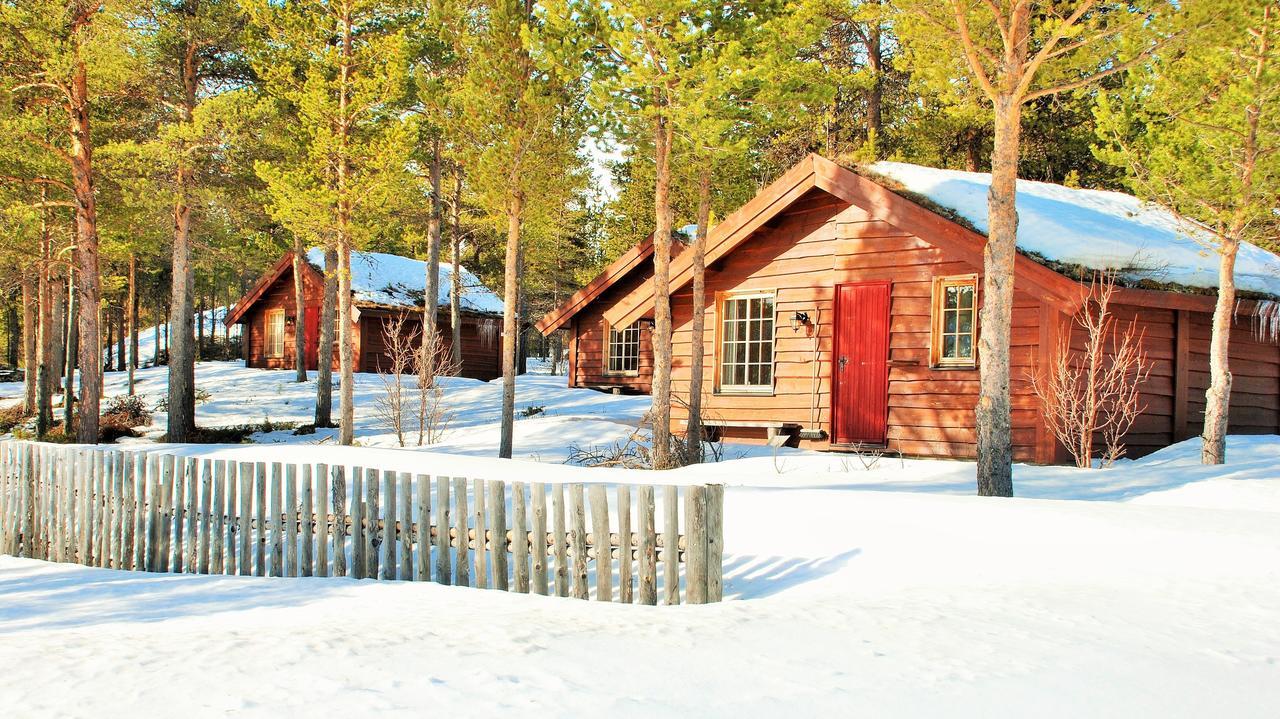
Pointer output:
798, 320
645, 323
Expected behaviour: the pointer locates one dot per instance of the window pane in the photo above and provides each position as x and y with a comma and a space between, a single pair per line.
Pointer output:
949, 322
949, 346
950, 298
739, 375
753, 375
966, 321
753, 353
966, 296
754, 307
766, 374
966, 346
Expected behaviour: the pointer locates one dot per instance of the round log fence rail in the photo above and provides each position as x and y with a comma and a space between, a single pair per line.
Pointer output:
149, 510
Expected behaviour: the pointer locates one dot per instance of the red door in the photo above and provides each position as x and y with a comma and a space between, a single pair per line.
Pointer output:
860, 373
311, 336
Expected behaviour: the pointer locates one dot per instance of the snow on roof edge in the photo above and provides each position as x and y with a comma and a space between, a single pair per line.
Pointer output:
387, 280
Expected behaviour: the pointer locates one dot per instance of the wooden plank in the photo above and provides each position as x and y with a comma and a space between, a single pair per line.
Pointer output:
624, 544
648, 547
244, 557
373, 533
670, 544
461, 561
358, 564
129, 506
578, 536
114, 556
390, 568
275, 521
178, 484
102, 505
338, 496
233, 517
498, 534
217, 520
715, 542
260, 519
405, 497
443, 561
193, 520
320, 500
539, 537
478, 491
695, 532
165, 546
423, 482
559, 540
306, 521
600, 541
519, 539
203, 559
290, 519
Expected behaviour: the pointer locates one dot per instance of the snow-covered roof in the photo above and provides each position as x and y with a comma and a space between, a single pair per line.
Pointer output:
391, 280
1097, 229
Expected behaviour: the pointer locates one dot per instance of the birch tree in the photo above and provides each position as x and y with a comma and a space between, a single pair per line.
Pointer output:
1207, 146
1009, 53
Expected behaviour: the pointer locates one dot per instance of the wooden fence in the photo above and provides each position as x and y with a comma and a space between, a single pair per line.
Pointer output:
152, 511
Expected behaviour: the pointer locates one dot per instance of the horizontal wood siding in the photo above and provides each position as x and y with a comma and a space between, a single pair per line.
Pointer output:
817, 244
588, 366
1255, 378
481, 342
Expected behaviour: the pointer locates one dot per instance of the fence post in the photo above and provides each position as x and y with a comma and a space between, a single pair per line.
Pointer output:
203, 550
478, 491
695, 555
193, 518
443, 560
579, 539
321, 499
290, 519
539, 542
519, 538
715, 542
373, 534
358, 563
560, 539
498, 540
462, 561
406, 526
624, 543
389, 568
648, 547
306, 518
338, 496
218, 530
671, 544
601, 542
424, 527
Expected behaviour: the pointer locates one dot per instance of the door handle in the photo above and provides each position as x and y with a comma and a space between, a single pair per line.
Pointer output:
843, 361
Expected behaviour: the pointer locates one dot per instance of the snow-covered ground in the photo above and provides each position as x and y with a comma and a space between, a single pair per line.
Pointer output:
886, 590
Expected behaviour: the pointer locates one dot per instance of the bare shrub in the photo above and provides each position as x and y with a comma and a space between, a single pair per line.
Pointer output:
392, 406
1091, 394
434, 359
636, 450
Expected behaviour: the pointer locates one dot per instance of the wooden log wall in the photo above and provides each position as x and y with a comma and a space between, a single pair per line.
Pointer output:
151, 511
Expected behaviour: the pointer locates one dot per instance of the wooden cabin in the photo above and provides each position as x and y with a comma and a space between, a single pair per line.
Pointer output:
846, 303
383, 287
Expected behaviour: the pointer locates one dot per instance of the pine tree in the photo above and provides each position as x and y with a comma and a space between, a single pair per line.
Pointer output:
1199, 131
341, 67
1010, 53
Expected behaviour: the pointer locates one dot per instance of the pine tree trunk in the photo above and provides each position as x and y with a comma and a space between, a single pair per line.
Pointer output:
120, 340
522, 348
697, 346
46, 331
995, 446
110, 365
13, 332
431, 297
299, 312
509, 297
133, 321
346, 364
69, 370
875, 92
324, 352
30, 333
89, 281
182, 366
58, 330
660, 414
455, 287
1218, 397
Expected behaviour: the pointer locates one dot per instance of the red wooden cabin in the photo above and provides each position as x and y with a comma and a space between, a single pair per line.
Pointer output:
382, 287
845, 303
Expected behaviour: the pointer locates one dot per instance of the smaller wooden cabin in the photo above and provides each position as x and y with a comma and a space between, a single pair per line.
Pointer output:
383, 287
846, 303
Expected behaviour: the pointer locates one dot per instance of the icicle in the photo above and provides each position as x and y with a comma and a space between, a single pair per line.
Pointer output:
1266, 320
488, 328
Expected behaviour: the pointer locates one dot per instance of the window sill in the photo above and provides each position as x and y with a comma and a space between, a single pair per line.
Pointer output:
622, 375
944, 367
745, 392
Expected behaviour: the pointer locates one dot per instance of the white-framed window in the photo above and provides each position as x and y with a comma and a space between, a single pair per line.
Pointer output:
622, 355
955, 322
273, 338
746, 342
